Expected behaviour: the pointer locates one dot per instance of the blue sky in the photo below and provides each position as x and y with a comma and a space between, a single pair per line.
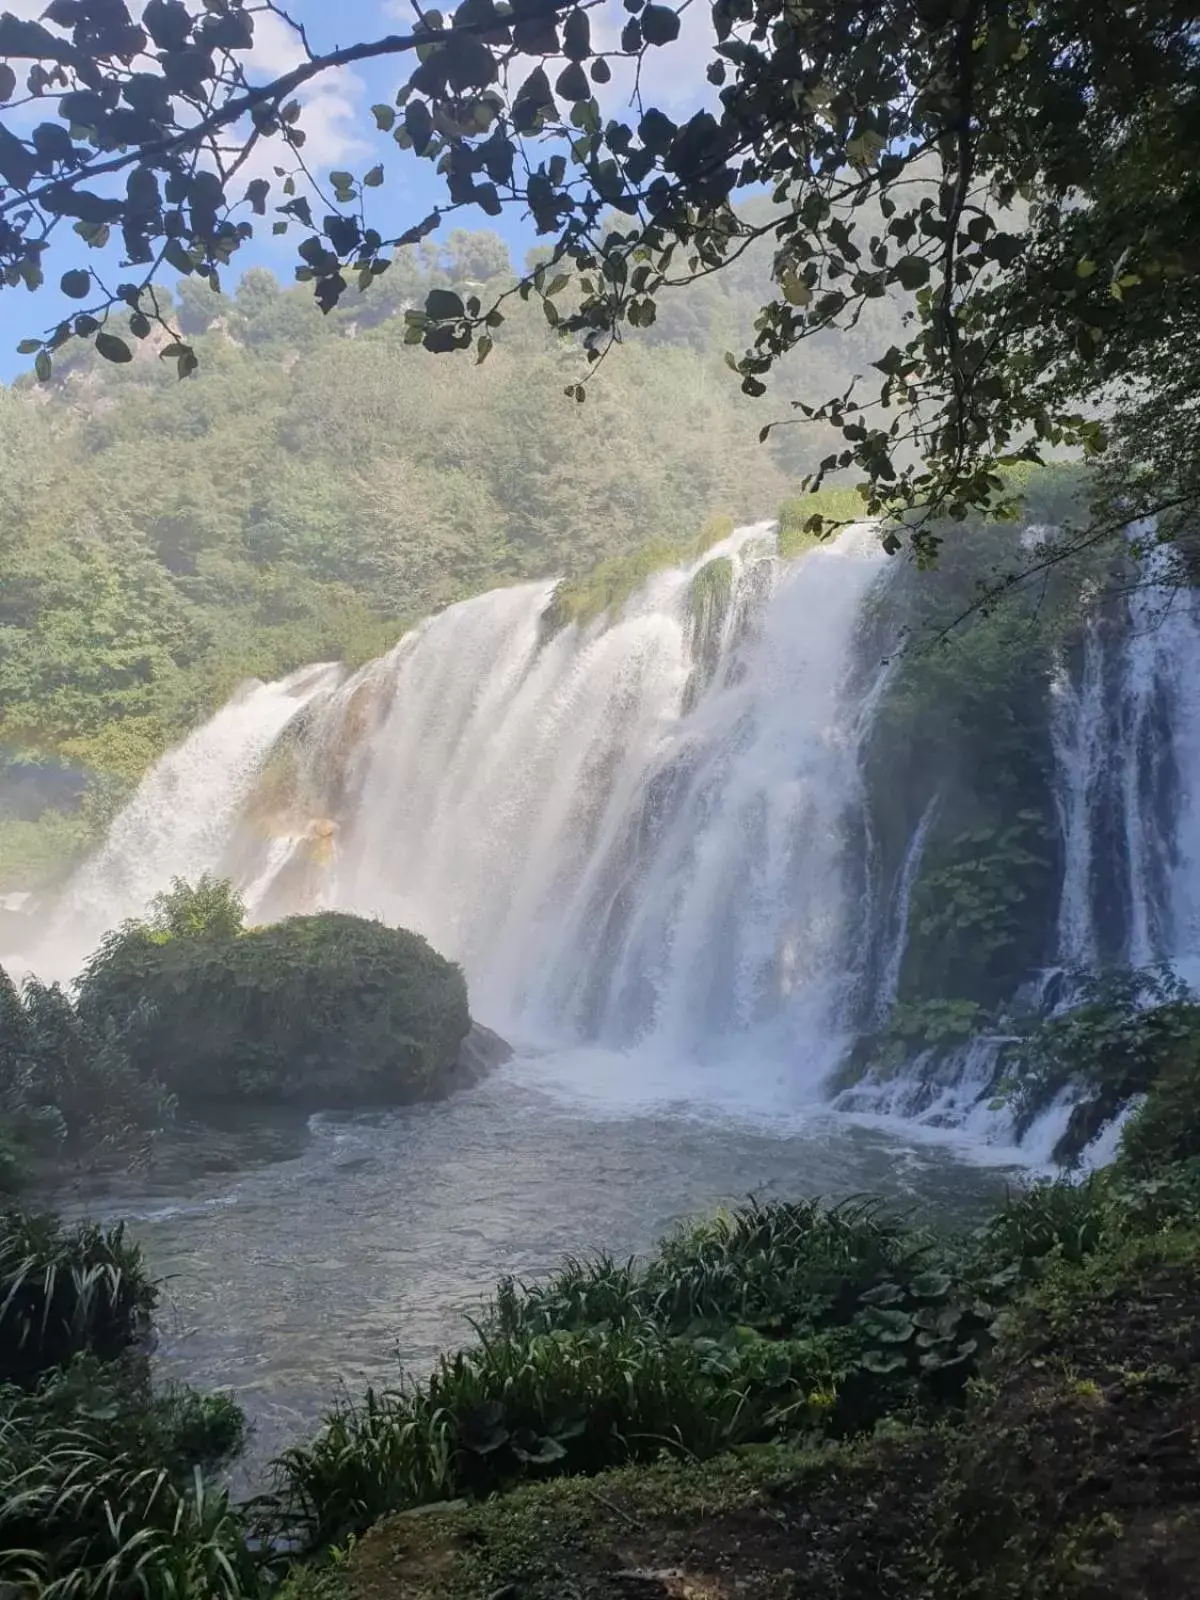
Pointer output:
341, 133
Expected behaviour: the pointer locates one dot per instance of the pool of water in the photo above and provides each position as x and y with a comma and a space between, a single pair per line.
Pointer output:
366, 1241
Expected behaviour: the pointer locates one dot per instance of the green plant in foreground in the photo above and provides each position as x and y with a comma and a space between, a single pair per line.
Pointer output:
64, 1292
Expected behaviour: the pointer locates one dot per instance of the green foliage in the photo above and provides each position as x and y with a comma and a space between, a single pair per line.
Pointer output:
83, 1512
67, 1292
161, 543
976, 906
961, 749
1127, 1033
807, 519
935, 1022
325, 1010
760, 1323
1035, 227
100, 1476
211, 907
1165, 1129
68, 1088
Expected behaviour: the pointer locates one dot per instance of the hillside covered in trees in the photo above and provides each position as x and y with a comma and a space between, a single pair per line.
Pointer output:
318, 487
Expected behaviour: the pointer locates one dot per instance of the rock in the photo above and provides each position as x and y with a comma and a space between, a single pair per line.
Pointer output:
481, 1052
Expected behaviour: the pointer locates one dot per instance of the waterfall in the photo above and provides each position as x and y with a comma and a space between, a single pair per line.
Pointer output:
179, 821
649, 831
642, 828
1079, 738
1127, 756
897, 944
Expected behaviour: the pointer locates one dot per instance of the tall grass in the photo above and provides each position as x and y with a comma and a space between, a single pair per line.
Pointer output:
67, 1291
80, 1519
738, 1329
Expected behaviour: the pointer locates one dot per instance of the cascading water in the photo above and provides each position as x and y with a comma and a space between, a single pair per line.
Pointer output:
639, 829
649, 832
1127, 749
179, 821
614, 849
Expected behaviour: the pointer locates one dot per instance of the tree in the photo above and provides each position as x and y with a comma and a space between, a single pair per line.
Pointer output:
1021, 172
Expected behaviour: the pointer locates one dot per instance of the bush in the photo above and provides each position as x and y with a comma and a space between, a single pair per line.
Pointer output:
1165, 1129
101, 1490
84, 1511
323, 1010
1127, 1031
67, 1085
67, 1292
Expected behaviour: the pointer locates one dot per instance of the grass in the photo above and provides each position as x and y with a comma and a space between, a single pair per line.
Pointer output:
64, 1292
759, 1324
610, 584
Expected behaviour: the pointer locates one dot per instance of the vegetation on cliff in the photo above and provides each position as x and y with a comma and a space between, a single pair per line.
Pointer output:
320, 489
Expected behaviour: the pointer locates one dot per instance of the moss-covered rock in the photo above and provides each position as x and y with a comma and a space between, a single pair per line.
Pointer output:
326, 1010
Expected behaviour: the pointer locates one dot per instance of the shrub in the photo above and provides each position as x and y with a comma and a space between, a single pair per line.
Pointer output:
1165, 1129
67, 1085
209, 906
760, 1323
810, 518
83, 1514
536, 1405
65, 1292
325, 1010
1127, 1030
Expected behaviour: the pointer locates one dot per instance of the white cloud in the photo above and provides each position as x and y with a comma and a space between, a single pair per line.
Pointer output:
332, 105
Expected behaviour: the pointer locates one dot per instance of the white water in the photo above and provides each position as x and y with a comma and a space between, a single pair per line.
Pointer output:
613, 849
636, 833
1078, 730
178, 822
1127, 749
647, 834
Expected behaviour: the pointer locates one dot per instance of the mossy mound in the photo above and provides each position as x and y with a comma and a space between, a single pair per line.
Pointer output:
1072, 1473
328, 1010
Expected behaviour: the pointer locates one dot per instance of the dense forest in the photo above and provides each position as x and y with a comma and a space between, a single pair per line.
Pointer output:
320, 488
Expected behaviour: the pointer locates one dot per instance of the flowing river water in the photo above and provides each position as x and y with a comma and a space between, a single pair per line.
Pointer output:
366, 1241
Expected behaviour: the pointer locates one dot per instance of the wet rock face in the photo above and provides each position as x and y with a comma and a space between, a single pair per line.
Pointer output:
481, 1052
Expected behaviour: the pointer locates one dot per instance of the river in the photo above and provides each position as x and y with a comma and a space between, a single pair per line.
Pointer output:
367, 1240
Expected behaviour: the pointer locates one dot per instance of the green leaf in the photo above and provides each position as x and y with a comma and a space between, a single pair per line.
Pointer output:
443, 304
384, 116
890, 1327
884, 1294
913, 271
374, 178
112, 348
8, 81
43, 366
660, 25
795, 290
76, 284
178, 257
29, 347
930, 1285
1085, 268
884, 1361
